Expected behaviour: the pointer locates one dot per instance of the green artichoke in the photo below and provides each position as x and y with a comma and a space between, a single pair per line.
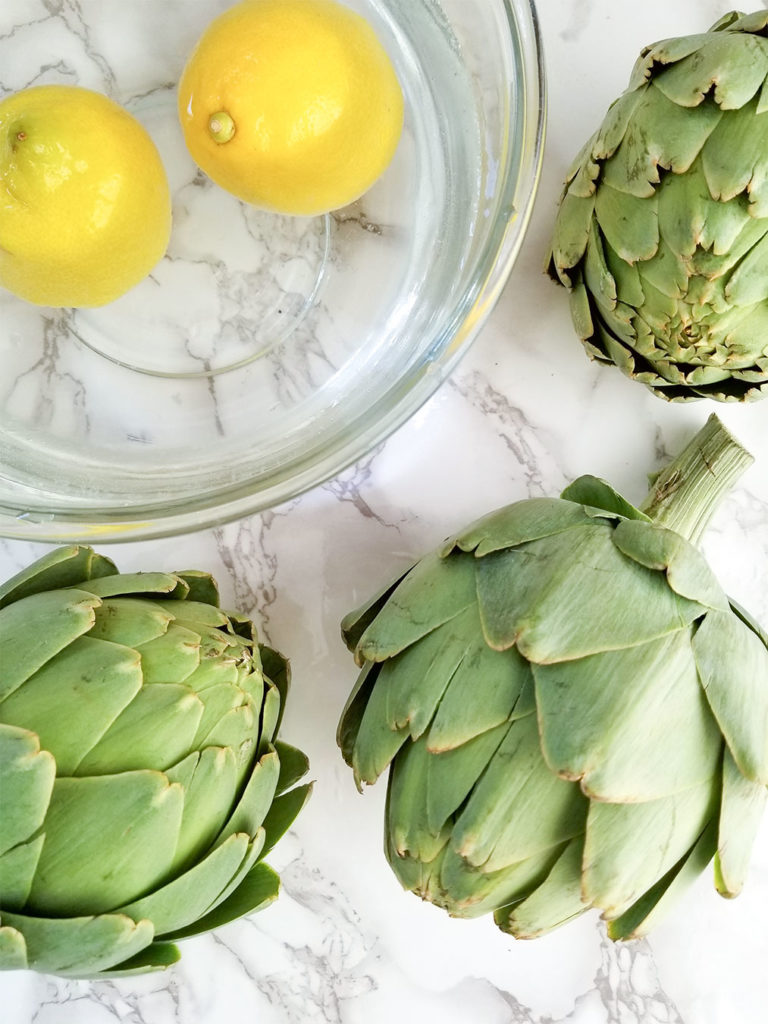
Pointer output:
573, 713
662, 231
140, 777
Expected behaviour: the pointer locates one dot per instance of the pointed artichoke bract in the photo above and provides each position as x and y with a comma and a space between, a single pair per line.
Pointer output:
572, 712
662, 231
141, 775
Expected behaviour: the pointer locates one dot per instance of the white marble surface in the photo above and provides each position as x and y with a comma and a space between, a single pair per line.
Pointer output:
524, 414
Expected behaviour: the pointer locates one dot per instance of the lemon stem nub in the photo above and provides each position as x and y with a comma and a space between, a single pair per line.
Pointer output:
221, 126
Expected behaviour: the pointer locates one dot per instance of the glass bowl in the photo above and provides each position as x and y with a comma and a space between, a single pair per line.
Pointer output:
264, 354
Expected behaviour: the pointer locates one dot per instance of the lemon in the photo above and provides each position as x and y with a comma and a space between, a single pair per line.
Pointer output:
85, 208
292, 105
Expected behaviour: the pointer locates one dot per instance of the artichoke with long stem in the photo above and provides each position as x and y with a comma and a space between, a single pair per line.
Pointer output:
141, 778
662, 231
573, 713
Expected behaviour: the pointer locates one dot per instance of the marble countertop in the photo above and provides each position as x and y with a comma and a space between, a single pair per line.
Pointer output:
524, 414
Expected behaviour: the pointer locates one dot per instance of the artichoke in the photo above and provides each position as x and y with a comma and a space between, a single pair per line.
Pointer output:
141, 780
573, 713
662, 231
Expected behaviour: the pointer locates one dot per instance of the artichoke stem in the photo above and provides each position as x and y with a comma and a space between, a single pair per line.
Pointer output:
686, 493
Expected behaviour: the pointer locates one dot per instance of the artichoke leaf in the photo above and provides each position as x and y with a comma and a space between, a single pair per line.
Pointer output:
354, 710
737, 22
95, 680
749, 621
67, 614
217, 701
518, 808
628, 743
483, 692
294, 765
643, 915
257, 890
615, 351
615, 124
700, 376
630, 224
597, 275
282, 814
409, 830
553, 903
79, 946
155, 730
27, 774
660, 312
276, 669
210, 782
13, 950
17, 869
631, 847
709, 234
735, 64
220, 672
517, 524
574, 594
253, 682
629, 284
408, 692
200, 586
271, 709
108, 838
688, 572
735, 159
130, 621
214, 643
741, 813
571, 235
239, 625
238, 729
138, 584
156, 957
256, 799
471, 892
661, 134
733, 667
749, 283
654, 59
172, 657
253, 856
450, 776
582, 175
355, 623
187, 897
378, 739
581, 313
420, 877
667, 273
63, 567
597, 495
434, 592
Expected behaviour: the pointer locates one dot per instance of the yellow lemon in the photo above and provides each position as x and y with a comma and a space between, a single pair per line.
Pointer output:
85, 208
292, 105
